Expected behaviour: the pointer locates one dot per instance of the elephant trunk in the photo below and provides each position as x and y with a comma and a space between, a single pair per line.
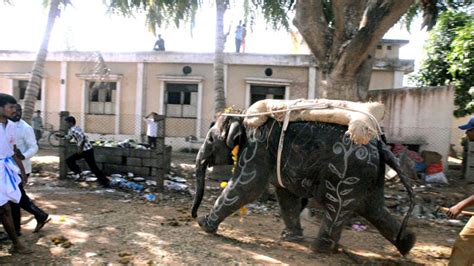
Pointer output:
201, 166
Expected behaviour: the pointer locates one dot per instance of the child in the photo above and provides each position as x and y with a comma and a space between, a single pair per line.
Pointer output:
10, 167
152, 129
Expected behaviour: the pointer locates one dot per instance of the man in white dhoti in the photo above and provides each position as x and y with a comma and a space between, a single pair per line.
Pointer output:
10, 169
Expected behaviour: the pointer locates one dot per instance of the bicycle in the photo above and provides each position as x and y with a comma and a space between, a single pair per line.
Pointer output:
54, 138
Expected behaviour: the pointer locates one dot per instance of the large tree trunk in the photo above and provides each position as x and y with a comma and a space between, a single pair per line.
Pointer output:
219, 95
34, 82
337, 85
344, 44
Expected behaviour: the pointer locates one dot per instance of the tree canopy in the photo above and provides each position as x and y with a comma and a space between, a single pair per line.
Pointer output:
449, 58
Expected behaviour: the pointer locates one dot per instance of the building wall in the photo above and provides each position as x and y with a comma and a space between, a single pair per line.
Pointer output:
153, 89
384, 52
242, 69
418, 116
52, 84
237, 75
381, 80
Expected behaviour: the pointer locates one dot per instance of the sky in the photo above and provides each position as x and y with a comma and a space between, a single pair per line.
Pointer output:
85, 26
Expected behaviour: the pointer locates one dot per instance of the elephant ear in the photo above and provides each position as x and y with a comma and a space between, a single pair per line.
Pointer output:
234, 132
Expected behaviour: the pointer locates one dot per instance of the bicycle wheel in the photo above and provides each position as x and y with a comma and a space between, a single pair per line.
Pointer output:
54, 138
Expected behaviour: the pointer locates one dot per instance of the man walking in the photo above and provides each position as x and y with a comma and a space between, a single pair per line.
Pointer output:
26, 148
84, 151
11, 168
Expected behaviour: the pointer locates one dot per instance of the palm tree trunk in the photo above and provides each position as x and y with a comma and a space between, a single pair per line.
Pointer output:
34, 82
219, 57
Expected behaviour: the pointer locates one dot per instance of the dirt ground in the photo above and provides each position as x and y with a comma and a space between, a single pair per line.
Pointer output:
91, 225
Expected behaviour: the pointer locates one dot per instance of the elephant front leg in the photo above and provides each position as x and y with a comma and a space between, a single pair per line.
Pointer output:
290, 207
246, 186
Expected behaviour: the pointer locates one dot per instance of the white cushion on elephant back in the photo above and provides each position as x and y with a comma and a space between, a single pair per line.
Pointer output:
356, 115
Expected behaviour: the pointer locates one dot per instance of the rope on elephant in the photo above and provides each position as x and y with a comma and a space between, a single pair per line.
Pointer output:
311, 106
292, 107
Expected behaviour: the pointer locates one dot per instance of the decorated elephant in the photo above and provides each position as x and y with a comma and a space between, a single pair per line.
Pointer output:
318, 160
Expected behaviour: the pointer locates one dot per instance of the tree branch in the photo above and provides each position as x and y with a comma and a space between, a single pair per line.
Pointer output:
378, 18
312, 25
338, 10
347, 14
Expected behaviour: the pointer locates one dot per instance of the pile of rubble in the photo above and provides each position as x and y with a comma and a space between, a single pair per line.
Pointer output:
144, 187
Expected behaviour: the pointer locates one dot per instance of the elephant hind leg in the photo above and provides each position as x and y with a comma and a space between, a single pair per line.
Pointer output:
389, 227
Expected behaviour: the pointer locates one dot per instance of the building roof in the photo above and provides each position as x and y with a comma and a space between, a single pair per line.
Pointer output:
394, 41
292, 60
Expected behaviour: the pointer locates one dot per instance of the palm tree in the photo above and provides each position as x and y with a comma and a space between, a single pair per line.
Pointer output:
219, 96
34, 81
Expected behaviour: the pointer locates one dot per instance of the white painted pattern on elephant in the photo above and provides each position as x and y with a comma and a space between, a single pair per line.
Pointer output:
337, 195
245, 177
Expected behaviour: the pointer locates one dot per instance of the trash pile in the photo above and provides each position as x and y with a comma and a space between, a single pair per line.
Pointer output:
128, 143
428, 164
129, 182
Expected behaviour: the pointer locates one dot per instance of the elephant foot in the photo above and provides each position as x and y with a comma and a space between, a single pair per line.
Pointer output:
292, 236
324, 245
406, 243
206, 226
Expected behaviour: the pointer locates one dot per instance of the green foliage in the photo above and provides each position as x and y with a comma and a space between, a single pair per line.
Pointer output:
449, 58
430, 10
275, 12
157, 12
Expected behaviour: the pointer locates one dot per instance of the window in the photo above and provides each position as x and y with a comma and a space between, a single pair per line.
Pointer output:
181, 100
19, 90
379, 47
258, 93
389, 47
102, 97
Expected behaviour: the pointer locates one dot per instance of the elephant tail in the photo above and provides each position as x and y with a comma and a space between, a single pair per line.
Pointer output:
390, 159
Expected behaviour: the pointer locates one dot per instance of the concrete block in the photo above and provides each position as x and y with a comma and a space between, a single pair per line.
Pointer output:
140, 153
141, 171
133, 161
116, 169
149, 162
99, 158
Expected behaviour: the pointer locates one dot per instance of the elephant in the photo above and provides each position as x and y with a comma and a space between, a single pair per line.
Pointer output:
318, 160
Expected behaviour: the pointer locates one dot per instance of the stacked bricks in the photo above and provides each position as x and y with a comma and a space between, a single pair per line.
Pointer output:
154, 163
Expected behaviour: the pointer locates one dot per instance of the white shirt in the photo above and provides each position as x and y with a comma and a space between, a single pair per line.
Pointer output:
7, 139
152, 127
26, 143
